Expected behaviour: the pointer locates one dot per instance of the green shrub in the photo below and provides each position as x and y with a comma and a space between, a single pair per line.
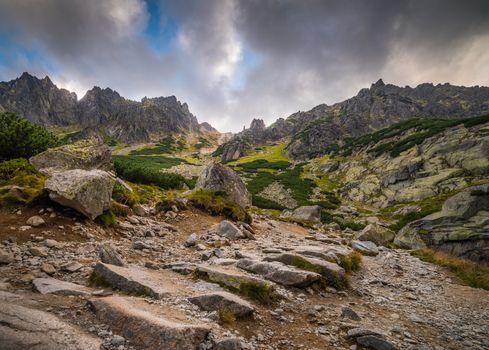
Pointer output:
216, 204
147, 170
124, 196
107, 219
11, 168
351, 262
475, 275
20, 173
264, 164
19, 138
264, 203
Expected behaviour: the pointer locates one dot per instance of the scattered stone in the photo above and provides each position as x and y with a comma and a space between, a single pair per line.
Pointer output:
139, 210
35, 221
109, 255
191, 240
5, 258
310, 213
377, 234
38, 251
71, 267
51, 243
230, 343
140, 245
349, 313
48, 268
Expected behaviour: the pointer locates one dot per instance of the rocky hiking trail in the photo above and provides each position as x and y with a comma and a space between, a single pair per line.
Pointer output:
194, 282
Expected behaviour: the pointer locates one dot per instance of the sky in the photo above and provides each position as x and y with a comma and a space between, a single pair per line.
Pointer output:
233, 61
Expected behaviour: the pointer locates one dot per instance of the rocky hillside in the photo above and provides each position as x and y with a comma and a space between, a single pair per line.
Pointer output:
117, 118
381, 105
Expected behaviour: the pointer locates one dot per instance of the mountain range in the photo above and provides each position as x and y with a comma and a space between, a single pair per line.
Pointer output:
314, 132
103, 110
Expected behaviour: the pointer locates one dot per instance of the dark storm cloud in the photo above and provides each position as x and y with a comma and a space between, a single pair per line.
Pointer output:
302, 52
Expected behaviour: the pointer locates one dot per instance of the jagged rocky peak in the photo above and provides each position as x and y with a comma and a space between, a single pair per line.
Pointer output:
39, 100
257, 125
42, 102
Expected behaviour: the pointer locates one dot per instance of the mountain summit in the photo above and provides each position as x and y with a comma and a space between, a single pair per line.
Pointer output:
105, 110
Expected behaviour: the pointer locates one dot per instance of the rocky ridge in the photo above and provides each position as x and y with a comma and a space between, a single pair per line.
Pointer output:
101, 111
310, 133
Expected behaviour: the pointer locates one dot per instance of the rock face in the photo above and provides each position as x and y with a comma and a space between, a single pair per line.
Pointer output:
41, 102
85, 154
131, 318
26, 328
87, 191
221, 179
460, 228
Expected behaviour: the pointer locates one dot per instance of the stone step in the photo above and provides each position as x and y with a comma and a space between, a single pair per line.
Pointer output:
224, 303
27, 328
280, 273
150, 326
136, 280
333, 275
235, 280
54, 286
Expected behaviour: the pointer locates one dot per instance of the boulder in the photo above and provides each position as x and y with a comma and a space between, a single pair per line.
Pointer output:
87, 191
142, 324
461, 227
365, 247
280, 273
108, 255
250, 286
54, 286
28, 328
223, 302
230, 231
132, 279
219, 178
377, 234
333, 274
310, 213
35, 221
85, 154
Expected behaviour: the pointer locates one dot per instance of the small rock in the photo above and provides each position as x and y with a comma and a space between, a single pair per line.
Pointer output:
230, 231
365, 247
35, 221
191, 240
140, 245
347, 312
109, 255
48, 268
71, 267
51, 243
38, 251
117, 340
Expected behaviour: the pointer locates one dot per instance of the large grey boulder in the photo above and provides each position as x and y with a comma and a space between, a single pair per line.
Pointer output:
87, 191
230, 231
142, 324
85, 154
308, 213
461, 227
23, 327
279, 273
219, 178
365, 247
377, 234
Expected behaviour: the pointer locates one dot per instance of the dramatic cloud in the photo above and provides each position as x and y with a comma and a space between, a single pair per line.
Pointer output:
235, 60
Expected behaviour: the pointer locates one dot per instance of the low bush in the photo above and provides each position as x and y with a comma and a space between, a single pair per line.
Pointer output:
217, 204
124, 196
107, 219
474, 274
147, 170
20, 173
264, 203
19, 138
264, 164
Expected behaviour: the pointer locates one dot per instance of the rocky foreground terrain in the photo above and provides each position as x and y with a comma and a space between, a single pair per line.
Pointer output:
168, 275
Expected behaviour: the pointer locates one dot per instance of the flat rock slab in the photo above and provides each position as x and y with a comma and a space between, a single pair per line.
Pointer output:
280, 273
235, 280
328, 253
223, 302
365, 247
54, 286
331, 272
135, 280
149, 326
27, 328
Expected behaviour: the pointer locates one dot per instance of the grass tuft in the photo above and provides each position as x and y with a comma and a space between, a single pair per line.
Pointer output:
474, 274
